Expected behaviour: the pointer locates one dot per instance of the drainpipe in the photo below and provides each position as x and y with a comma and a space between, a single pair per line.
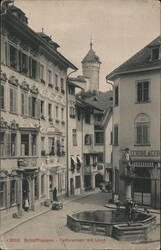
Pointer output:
67, 120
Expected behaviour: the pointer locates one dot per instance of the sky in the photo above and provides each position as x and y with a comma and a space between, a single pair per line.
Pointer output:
119, 28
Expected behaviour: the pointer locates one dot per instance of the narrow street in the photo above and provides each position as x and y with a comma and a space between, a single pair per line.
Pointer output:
49, 231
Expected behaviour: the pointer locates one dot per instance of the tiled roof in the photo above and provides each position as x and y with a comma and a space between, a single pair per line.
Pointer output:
91, 56
103, 101
140, 61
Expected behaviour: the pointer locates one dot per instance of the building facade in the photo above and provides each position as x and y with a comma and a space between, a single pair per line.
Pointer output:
33, 115
136, 126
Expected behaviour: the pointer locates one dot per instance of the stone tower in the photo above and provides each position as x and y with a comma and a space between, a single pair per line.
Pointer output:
91, 68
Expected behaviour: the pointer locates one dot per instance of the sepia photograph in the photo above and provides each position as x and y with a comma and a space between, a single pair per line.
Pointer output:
80, 124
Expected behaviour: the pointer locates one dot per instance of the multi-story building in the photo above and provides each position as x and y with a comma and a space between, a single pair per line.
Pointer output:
136, 126
33, 114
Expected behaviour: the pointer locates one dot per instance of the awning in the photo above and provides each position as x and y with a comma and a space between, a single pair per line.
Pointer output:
79, 159
74, 160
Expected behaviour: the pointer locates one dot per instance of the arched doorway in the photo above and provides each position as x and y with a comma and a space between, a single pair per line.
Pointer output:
98, 180
25, 191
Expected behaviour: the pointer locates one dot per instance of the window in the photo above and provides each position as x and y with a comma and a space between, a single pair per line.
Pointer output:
33, 106
13, 57
50, 111
74, 134
77, 182
12, 192
71, 90
116, 96
58, 147
42, 109
33, 144
13, 100
13, 144
56, 82
87, 117
42, 183
2, 195
24, 103
62, 85
1, 97
116, 142
142, 91
155, 53
62, 145
99, 137
32, 68
62, 114
72, 111
50, 78
36, 187
57, 112
50, 182
2, 135
100, 157
24, 144
88, 139
142, 125
87, 159
51, 143
42, 73
23, 63
111, 138
43, 152
78, 114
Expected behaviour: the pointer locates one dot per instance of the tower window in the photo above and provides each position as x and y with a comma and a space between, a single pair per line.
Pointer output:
155, 53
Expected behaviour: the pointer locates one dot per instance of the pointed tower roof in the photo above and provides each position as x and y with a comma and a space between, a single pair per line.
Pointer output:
91, 56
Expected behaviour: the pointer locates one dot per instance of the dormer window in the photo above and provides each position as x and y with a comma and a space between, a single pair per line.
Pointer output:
155, 53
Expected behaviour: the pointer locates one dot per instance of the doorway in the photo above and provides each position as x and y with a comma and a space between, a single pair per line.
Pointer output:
25, 191
71, 186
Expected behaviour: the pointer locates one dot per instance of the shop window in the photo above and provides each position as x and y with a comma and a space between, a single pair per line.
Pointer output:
2, 195
12, 192
24, 144
1, 96
24, 103
77, 182
42, 184
36, 187
99, 137
143, 91
142, 125
13, 57
74, 135
13, 100
33, 144
2, 136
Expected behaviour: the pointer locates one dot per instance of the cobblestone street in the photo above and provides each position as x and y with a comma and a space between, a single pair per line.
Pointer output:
51, 232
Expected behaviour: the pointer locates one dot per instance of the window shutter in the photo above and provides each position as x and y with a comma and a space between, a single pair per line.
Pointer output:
91, 139
8, 144
11, 100
38, 108
30, 105
15, 101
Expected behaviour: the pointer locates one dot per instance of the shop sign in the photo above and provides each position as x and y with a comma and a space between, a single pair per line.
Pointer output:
145, 153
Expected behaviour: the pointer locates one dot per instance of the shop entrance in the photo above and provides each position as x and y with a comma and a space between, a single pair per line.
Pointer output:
142, 187
25, 191
98, 179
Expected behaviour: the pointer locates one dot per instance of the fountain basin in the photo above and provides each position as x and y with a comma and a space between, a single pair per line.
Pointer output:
113, 223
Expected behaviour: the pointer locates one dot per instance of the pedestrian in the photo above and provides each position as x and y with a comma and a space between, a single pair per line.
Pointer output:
55, 194
26, 205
